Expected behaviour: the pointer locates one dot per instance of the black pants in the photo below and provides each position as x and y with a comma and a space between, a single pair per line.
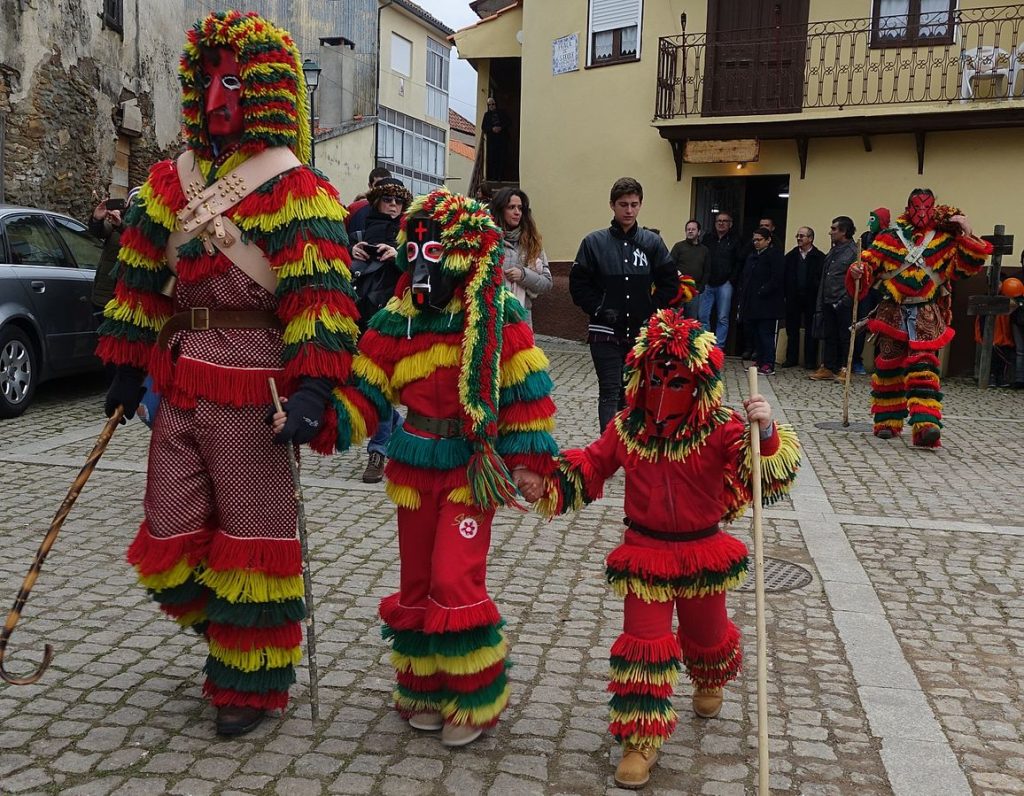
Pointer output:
796, 319
495, 156
765, 338
609, 358
837, 334
868, 303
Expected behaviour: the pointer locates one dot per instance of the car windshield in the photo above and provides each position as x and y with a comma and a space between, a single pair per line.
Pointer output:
84, 247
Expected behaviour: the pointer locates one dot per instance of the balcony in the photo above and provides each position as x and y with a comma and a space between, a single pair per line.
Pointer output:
948, 71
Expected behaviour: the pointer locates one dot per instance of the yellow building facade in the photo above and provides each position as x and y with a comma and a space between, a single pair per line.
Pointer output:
809, 108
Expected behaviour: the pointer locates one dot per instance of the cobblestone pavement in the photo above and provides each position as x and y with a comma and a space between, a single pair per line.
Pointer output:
896, 670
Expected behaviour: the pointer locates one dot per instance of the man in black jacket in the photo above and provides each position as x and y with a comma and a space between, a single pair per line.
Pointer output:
724, 265
620, 276
803, 273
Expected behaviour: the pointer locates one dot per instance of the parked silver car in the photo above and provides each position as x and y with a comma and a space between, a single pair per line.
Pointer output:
47, 320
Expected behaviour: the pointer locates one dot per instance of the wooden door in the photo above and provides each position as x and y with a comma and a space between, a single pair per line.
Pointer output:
755, 56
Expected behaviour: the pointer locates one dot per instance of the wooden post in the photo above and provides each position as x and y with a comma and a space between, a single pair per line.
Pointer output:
762, 634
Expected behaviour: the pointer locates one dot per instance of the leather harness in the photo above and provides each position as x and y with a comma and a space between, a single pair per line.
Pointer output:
203, 217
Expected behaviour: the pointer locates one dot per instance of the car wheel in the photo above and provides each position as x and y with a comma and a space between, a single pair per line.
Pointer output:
19, 372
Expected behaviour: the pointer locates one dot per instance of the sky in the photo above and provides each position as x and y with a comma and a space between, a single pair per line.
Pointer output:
456, 14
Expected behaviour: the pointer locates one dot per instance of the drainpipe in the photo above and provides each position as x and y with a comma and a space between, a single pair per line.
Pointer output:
376, 91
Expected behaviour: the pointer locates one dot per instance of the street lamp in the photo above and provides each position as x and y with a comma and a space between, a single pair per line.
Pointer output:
311, 70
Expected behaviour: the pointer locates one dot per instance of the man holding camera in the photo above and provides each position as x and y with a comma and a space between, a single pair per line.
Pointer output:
621, 275
105, 224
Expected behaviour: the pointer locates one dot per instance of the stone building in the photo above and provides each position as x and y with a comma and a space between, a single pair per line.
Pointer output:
88, 98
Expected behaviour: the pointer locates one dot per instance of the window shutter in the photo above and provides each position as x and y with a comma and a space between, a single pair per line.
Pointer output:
613, 14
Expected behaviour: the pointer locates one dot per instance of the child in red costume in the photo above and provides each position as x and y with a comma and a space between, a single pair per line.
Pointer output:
687, 463
454, 347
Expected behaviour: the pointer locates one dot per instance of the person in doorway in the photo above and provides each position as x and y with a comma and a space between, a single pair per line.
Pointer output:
803, 268
495, 127
833, 302
525, 265
621, 275
375, 275
691, 259
674, 439
256, 286
913, 264
724, 266
763, 299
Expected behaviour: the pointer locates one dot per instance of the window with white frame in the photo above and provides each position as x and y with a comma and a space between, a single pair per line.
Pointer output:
895, 23
438, 64
401, 55
615, 31
412, 150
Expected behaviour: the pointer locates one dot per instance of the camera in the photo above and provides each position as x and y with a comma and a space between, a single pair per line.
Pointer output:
115, 204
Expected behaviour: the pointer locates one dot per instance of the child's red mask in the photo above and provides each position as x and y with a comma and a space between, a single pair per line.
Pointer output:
222, 93
670, 391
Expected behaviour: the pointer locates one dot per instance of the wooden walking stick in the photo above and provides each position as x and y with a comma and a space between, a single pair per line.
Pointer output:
307, 581
762, 638
849, 354
44, 550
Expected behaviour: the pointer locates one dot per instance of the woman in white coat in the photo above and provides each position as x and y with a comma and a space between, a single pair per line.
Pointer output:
525, 265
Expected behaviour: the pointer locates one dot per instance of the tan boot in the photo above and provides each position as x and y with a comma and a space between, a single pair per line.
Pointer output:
635, 767
822, 374
428, 721
707, 702
459, 734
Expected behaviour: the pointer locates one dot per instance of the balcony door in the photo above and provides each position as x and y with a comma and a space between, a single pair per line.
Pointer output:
755, 56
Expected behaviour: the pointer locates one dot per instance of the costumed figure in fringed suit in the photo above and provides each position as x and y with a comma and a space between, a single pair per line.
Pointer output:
688, 470
454, 347
912, 264
257, 242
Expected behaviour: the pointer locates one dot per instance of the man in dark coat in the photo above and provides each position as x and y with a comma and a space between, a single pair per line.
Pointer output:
724, 265
763, 300
495, 127
834, 302
803, 273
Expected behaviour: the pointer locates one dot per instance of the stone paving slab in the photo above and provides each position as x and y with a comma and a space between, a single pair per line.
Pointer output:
120, 710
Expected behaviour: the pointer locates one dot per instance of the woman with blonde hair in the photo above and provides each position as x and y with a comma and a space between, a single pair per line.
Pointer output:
525, 265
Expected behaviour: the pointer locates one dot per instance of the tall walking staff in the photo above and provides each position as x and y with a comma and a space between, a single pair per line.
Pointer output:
762, 638
307, 581
44, 550
849, 354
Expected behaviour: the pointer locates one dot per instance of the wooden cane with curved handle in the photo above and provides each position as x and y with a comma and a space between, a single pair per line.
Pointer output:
762, 638
44, 550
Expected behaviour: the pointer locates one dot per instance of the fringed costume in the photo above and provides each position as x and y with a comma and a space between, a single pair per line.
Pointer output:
218, 548
688, 469
912, 264
477, 393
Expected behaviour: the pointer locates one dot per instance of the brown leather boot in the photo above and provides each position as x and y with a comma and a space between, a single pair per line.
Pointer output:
707, 702
232, 720
635, 767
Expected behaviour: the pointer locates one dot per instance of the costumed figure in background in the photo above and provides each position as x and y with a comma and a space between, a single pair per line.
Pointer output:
257, 243
454, 347
912, 264
688, 469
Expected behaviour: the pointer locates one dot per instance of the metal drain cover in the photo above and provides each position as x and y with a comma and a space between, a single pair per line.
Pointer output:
837, 425
779, 575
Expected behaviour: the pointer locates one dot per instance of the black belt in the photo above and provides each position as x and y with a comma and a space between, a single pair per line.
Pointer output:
670, 536
447, 427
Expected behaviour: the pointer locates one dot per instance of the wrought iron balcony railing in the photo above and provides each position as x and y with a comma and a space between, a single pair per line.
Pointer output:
964, 56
